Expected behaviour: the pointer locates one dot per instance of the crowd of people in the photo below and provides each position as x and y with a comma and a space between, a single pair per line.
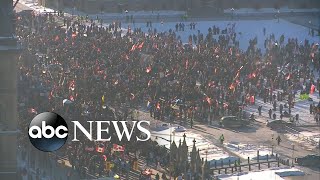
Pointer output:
98, 69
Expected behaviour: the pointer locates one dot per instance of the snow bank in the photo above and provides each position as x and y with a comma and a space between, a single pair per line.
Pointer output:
249, 150
308, 139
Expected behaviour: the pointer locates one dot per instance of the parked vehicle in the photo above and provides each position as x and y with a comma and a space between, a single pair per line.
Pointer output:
232, 122
276, 124
311, 160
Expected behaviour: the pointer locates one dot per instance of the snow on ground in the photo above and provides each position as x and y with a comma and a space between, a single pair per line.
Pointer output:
244, 34
301, 107
308, 139
249, 150
246, 30
268, 10
274, 174
33, 4
207, 148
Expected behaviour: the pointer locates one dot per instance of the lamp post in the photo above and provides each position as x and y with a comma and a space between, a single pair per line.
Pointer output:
292, 154
232, 12
272, 143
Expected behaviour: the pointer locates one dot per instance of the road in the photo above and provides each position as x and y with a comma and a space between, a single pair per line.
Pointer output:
256, 133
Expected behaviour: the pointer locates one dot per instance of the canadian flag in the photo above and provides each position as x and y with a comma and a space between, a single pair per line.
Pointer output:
50, 95
118, 148
133, 48
141, 45
132, 96
100, 149
72, 85
232, 86
104, 157
288, 77
208, 99
148, 69
56, 38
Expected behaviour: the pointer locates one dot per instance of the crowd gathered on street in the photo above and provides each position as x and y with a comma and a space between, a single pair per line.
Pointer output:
83, 71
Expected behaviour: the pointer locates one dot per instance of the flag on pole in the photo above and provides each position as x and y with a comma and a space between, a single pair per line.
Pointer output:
288, 77
148, 69
141, 46
56, 38
208, 99
72, 85
133, 48
132, 96
100, 148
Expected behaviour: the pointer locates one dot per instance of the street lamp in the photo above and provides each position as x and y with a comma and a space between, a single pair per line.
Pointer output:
272, 144
292, 154
232, 12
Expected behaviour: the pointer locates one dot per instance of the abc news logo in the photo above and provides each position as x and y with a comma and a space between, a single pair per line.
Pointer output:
48, 131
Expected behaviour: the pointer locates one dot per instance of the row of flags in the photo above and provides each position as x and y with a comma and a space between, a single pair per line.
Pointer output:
137, 46
101, 148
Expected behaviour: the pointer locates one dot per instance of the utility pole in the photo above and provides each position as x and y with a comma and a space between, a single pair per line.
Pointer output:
9, 50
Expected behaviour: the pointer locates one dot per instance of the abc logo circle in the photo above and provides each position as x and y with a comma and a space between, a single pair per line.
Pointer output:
48, 131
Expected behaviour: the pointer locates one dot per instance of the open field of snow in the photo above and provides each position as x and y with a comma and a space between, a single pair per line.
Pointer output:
270, 174
244, 34
268, 10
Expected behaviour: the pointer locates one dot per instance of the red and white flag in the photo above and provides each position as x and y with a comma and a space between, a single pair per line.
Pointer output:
141, 46
118, 148
72, 85
148, 69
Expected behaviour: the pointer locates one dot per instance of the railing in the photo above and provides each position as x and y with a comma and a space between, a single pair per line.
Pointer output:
239, 167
